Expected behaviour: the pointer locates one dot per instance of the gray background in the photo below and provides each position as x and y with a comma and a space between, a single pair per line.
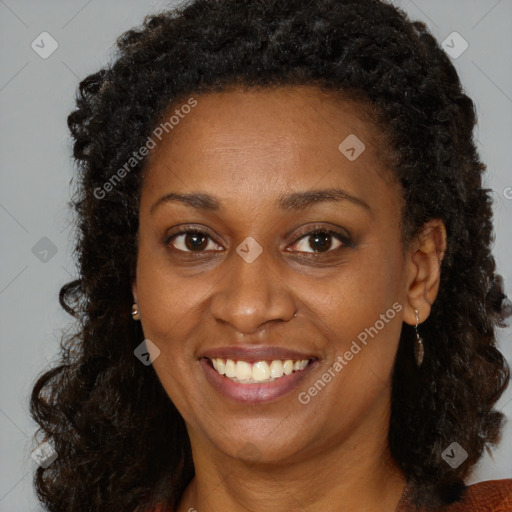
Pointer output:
36, 95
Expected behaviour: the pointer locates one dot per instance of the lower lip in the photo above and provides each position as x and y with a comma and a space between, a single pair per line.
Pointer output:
255, 393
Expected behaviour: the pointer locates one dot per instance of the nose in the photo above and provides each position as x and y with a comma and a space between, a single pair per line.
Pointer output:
251, 295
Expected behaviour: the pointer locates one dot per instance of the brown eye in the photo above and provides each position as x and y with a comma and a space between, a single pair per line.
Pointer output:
319, 241
193, 241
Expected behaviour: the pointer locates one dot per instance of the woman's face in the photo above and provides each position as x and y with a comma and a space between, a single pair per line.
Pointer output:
261, 174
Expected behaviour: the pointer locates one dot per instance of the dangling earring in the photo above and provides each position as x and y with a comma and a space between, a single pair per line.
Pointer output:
419, 350
135, 312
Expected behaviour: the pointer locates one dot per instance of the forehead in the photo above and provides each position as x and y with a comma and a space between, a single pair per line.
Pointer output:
264, 141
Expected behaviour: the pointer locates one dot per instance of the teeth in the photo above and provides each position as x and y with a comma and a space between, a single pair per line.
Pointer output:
260, 371
299, 365
230, 368
243, 370
276, 369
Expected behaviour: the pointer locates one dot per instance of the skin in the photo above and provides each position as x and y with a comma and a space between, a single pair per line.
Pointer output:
247, 149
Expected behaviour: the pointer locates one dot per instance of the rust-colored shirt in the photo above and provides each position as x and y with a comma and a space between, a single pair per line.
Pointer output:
490, 496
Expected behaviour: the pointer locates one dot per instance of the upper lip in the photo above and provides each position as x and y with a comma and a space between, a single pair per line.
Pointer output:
256, 353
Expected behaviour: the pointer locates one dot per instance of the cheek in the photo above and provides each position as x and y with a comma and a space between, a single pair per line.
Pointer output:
167, 301
169, 316
361, 323
360, 309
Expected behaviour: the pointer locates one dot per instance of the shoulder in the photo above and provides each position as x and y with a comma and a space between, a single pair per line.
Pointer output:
489, 496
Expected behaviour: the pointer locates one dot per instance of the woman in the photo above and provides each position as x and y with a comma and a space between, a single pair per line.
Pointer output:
287, 198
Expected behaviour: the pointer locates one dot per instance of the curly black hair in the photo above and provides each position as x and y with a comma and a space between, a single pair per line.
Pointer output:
121, 443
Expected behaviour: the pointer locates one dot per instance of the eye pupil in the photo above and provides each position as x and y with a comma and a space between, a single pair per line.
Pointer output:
195, 245
322, 240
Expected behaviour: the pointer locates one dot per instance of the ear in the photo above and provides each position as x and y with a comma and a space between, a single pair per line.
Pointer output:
423, 262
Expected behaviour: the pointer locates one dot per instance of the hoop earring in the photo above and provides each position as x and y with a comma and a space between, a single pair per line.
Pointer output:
135, 312
419, 349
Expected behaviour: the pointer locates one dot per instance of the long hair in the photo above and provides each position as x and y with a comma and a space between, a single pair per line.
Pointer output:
121, 443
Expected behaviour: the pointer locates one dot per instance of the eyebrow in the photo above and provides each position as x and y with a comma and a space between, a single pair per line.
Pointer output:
294, 201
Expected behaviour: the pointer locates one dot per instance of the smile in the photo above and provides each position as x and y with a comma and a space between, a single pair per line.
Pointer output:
258, 372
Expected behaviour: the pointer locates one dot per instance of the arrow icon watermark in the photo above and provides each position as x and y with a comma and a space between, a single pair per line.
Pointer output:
249, 249
146, 352
351, 147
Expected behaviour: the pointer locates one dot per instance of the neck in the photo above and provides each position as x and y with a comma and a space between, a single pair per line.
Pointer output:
358, 474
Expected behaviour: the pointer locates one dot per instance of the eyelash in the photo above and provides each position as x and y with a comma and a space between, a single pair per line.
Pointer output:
345, 241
